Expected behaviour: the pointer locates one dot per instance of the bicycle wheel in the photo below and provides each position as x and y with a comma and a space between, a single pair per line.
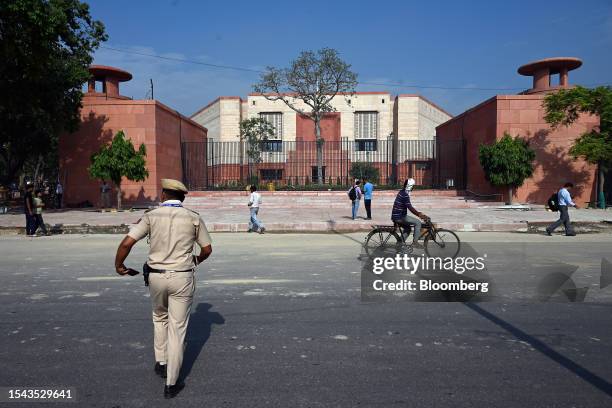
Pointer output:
382, 243
444, 244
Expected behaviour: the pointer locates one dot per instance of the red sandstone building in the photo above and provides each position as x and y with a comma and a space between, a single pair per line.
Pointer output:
104, 113
519, 115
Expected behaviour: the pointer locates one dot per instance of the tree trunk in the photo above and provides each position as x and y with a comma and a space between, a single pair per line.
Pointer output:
510, 195
601, 197
37, 170
118, 196
319, 150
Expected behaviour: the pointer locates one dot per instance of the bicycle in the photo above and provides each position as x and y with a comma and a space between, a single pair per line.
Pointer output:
438, 242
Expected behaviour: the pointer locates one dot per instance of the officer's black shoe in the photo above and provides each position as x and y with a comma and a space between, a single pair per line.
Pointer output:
171, 391
161, 370
548, 232
571, 234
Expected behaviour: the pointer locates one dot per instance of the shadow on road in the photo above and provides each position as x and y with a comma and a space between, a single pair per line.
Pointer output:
198, 333
588, 376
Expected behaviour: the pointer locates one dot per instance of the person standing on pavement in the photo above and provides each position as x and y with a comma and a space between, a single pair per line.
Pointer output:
254, 203
355, 194
38, 207
564, 201
105, 195
59, 193
368, 189
28, 208
172, 231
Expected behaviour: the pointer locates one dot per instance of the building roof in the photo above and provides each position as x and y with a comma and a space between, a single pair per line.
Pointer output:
554, 64
215, 101
425, 100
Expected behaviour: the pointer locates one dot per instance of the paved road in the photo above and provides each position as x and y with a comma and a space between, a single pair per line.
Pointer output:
278, 321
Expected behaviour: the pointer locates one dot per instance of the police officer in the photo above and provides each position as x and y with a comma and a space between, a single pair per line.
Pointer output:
173, 230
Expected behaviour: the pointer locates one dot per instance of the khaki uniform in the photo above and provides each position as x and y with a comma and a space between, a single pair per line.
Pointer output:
173, 230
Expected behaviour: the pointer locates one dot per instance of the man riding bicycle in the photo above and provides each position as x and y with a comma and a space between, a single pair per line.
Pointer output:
399, 214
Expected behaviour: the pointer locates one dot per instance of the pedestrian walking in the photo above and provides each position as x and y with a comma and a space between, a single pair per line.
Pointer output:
254, 203
368, 189
59, 193
105, 191
169, 273
355, 194
28, 208
38, 209
564, 201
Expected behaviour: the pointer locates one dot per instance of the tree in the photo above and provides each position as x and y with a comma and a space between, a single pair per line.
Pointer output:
46, 48
507, 162
253, 132
314, 79
117, 160
360, 170
565, 106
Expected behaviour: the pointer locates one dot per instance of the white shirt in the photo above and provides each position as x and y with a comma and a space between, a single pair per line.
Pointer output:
59, 189
255, 199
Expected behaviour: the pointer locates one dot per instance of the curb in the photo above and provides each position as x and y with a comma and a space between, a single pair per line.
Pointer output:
317, 227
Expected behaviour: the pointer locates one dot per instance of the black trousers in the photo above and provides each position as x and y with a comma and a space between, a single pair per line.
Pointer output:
30, 224
368, 206
563, 219
40, 223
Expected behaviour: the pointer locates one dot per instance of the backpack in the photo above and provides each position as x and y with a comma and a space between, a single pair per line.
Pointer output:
553, 202
352, 194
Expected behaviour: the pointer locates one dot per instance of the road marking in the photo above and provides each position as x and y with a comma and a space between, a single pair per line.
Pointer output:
245, 281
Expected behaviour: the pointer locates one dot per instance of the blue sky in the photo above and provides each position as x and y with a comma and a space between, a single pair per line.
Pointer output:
474, 44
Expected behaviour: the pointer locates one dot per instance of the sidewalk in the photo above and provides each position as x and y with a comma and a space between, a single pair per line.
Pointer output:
315, 213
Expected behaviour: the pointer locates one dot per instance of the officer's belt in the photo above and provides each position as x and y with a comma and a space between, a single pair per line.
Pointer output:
153, 270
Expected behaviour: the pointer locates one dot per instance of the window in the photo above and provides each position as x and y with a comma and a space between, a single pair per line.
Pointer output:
366, 145
272, 146
423, 165
276, 120
271, 174
366, 125
315, 174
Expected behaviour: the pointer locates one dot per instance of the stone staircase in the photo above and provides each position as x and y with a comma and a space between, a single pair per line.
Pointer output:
423, 199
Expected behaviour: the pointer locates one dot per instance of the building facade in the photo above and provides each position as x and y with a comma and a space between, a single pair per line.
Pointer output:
394, 134
360, 116
105, 112
458, 140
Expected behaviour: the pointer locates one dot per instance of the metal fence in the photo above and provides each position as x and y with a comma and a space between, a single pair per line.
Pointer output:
214, 164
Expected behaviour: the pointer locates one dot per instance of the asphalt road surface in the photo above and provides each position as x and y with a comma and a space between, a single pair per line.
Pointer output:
278, 321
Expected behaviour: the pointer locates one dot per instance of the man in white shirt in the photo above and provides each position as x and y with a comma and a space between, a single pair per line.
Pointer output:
254, 203
59, 192
564, 200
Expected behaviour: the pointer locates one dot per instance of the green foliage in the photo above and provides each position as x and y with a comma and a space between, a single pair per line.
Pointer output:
253, 180
253, 131
119, 159
314, 78
507, 162
593, 147
361, 170
564, 107
46, 47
